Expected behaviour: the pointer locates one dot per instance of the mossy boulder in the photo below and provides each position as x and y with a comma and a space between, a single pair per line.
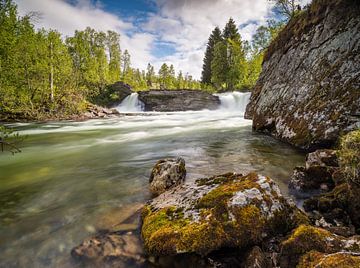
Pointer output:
306, 238
315, 259
226, 211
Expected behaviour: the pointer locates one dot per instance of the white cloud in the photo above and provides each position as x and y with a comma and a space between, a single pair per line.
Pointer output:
66, 18
188, 24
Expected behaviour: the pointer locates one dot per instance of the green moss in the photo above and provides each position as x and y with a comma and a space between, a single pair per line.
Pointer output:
306, 238
349, 155
167, 232
221, 179
338, 260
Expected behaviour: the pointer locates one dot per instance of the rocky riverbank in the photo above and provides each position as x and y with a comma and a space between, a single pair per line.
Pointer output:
235, 220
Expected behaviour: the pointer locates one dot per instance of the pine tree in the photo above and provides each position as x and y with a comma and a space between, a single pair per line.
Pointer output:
230, 31
126, 68
150, 75
214, 38
219, 65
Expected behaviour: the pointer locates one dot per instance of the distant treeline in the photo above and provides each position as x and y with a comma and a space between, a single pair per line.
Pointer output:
42, 73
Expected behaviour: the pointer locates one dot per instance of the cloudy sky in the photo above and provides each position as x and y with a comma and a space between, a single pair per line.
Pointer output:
155, 31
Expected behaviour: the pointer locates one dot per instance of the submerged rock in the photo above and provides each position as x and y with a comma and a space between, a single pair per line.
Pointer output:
178, 100
308, 91
111, 249
166, 174
230, 210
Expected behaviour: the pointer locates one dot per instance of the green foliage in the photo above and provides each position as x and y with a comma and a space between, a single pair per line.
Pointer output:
42, 76
236, 64
9, 140
287, 8
214, 38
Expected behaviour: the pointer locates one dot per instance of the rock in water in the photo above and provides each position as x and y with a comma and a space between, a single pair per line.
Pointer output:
230, 210
178, 100
308, 90
111, 249
317, 173
166, 174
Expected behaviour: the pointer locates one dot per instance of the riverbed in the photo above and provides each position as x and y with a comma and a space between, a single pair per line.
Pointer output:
69, 175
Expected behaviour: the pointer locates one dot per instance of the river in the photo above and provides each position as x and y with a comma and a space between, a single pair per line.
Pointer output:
69, 175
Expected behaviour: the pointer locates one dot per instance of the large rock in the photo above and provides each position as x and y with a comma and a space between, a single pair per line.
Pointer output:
308, 91
307, 238
178, 100
226, 211
317, 173
167, 173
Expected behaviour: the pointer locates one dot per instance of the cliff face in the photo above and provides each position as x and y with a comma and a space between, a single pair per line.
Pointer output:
309, 90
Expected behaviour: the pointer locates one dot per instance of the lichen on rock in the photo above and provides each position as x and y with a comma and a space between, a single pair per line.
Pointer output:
308, 91
308, 238
167, 173
229, 210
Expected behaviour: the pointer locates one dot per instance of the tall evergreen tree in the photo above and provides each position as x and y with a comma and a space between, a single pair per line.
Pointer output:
150, 75
230, 31
214, 38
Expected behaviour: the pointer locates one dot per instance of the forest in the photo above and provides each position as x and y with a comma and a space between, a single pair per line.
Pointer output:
45, 73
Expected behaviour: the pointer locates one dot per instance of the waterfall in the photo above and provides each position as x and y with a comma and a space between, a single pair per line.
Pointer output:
234, 101
131, 104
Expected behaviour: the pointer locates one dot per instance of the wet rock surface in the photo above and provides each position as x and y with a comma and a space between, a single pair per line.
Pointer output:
230, 210
166, 174
178, 100
317, 173
306, 238
111, 249
308, 91
94, 111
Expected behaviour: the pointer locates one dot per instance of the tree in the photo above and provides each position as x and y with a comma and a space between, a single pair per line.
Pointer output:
214, 38
180, 81
163, 76
230, 31
113, 45
150, 75
126, 70
287, 8
261, 39
219, 65
171, 78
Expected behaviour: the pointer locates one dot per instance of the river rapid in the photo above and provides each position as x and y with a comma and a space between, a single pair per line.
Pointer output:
72, 176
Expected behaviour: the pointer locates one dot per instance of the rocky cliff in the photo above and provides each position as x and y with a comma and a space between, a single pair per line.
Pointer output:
178, 100
309, 90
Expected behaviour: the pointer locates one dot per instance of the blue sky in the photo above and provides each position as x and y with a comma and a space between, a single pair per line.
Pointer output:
154, 31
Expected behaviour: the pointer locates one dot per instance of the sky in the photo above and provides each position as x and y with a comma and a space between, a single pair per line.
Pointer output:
153, 31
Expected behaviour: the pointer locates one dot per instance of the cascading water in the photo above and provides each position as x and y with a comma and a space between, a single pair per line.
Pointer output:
131, 104
234, 101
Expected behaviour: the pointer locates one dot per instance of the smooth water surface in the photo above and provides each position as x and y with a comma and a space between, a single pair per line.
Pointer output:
70, 174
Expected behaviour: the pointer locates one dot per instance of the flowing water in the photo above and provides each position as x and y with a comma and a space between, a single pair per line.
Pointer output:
72, 176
